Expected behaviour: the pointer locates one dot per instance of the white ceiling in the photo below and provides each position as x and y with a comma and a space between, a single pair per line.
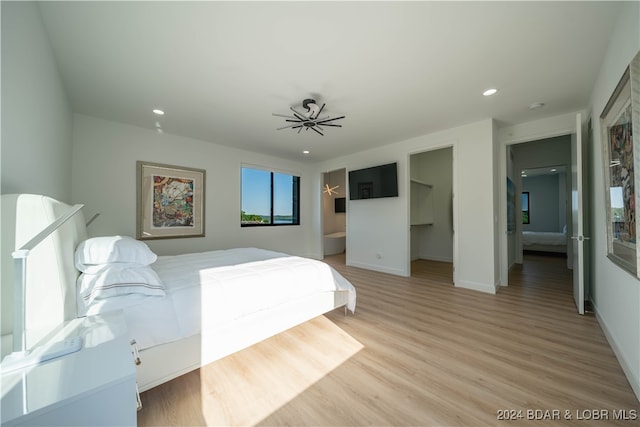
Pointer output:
395, 69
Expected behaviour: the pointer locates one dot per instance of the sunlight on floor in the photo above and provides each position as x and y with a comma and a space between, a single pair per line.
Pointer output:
248, 386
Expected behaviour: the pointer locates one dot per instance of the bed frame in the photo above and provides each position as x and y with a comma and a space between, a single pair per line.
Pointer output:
559, 249
541, 244
25, 215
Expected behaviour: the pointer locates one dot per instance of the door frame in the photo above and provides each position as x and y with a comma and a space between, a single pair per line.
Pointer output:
454, 189
528, 132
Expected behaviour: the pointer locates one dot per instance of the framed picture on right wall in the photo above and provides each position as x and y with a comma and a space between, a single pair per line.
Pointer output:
620, 124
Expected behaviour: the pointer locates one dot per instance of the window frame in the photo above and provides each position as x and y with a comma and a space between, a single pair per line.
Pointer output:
295, 199
528, 210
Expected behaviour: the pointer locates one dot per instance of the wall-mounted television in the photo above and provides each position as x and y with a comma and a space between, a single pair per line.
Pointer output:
374, 182
340, 205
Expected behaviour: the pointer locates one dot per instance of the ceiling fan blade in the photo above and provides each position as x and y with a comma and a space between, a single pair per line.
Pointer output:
294, 120
314, 129
298, 115
329, 120
316, 120
283, 115
289, 126
319, 111
300, 128
331, 124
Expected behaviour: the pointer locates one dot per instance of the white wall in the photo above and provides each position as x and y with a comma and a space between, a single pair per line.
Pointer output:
104, 171
36, 116
615, 293
381, 226
544, 203
435, 242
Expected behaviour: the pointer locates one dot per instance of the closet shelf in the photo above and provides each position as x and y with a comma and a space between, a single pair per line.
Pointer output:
417, 181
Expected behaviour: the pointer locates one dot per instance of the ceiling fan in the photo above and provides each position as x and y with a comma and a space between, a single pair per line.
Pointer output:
309, 120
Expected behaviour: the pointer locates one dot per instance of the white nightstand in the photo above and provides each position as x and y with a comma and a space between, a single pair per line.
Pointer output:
93, 386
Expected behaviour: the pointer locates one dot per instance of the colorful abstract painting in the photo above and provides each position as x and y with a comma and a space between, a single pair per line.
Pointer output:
172, 202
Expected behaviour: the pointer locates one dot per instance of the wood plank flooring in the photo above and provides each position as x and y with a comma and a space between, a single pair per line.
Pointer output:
417, 352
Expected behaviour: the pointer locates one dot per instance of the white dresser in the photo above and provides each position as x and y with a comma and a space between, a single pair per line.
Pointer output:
93, 386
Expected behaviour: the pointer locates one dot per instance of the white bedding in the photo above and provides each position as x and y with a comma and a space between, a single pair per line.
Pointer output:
207, 290
543, 238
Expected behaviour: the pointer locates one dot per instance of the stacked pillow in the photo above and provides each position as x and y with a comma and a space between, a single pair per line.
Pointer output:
113, 266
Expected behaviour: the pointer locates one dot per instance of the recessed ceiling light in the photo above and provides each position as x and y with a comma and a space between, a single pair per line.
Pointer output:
158, 112
489, 92
305, 152
536, 105
524, 175
554, 170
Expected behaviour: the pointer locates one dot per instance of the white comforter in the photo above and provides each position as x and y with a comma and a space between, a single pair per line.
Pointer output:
206, 290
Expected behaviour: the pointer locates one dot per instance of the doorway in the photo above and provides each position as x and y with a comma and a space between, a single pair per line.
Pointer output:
334, 213
431, 210
531, 155
539, 169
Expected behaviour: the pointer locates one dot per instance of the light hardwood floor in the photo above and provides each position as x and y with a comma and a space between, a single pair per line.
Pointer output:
417, 352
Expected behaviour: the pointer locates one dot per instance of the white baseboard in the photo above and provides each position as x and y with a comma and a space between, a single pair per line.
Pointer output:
476, 286
381, 269
628, 372
435, 258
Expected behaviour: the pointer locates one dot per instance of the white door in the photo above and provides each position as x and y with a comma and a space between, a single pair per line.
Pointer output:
578, 205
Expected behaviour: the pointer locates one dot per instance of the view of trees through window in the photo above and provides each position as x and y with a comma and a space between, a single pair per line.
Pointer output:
269, 198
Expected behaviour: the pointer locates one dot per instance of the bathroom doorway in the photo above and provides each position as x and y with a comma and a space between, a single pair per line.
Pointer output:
334, 213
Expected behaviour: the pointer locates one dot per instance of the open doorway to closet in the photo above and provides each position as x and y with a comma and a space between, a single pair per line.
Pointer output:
431, 214
334, 214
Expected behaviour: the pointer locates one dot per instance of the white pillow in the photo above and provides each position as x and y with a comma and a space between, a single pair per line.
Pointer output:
119, 279
110, 249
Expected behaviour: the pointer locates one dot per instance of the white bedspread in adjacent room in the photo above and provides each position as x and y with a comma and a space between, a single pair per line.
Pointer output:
206, 290
543, 238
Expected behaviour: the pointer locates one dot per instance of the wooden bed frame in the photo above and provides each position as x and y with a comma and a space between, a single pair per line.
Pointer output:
25, 215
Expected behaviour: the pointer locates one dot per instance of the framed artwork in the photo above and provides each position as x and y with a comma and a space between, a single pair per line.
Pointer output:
170, 201
620, 124
525, 208
511, 206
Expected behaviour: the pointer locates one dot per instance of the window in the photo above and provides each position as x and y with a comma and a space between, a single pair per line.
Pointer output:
269, 198
525, 207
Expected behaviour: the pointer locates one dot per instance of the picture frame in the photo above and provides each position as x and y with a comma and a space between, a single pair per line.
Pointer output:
511, 206
620, 124
170, 201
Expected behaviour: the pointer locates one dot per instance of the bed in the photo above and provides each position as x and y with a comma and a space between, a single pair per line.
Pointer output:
183, 311
544, 241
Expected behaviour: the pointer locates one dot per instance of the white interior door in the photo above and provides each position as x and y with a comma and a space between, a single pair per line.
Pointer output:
578, 204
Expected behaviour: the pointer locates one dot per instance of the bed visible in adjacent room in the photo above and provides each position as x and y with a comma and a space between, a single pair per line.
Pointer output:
544, 241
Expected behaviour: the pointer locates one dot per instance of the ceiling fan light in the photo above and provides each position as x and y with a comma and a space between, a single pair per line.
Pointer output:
310, 120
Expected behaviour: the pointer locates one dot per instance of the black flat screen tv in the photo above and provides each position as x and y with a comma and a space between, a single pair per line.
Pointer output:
374, 182
340, 205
